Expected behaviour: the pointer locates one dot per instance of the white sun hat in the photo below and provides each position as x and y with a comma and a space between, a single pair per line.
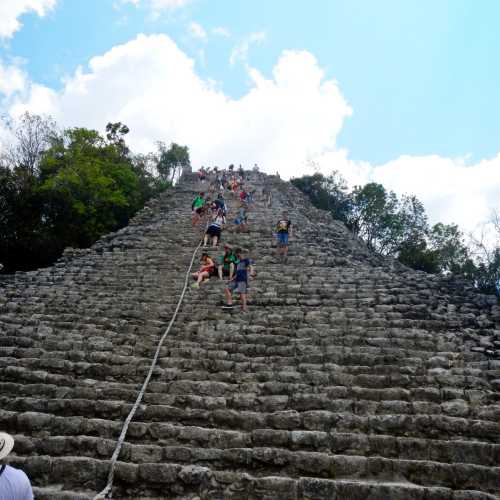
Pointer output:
6, 444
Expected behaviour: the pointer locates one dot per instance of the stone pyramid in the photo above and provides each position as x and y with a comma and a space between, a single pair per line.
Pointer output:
351, 377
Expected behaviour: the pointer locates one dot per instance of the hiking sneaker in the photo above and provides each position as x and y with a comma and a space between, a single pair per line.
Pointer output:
195, 285
228, 306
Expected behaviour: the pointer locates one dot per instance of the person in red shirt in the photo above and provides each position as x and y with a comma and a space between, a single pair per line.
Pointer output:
206, 270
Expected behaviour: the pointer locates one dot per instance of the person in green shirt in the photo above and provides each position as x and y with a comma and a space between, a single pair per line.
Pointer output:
197, 207
226, 263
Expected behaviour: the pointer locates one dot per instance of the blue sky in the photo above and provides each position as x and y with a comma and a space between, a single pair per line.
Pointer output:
402, 92
421, 76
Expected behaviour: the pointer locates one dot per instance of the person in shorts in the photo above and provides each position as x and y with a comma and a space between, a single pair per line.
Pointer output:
239, 283
283, 232
197, 208
214, 229
206, 270
227, 263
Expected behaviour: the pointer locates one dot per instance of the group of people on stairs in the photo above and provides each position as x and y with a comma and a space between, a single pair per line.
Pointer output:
234, 266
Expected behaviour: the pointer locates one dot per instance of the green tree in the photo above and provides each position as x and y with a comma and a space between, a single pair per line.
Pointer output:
448, 242
374, 216
171, 161
327, 193
89, 186
66, 188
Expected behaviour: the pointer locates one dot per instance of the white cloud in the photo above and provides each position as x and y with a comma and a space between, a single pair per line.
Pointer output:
283, 121
12, 10
197, 31
12, 79
221, 31
451, 191
240, 51
159, 5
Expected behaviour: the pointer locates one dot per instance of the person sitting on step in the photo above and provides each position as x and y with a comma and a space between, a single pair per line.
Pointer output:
239, 283
226, 263
14, 483
206, 270
214, 229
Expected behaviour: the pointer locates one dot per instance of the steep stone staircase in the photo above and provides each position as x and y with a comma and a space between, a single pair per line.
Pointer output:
352, 377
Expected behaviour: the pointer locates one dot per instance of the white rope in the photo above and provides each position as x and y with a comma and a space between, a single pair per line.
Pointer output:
107, 490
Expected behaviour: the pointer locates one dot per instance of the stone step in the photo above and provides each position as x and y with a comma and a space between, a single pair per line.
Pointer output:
414, 426
53, 493
152, 441
273, 396
349, 477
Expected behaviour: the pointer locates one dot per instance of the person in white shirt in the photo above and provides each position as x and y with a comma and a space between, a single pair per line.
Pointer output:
14, 483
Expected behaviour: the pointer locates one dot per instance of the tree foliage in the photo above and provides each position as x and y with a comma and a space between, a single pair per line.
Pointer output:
399, 227
171, 161
68, 189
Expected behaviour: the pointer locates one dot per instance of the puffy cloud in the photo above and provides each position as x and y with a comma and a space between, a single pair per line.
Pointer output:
240, 51
159, 5
12, 10
221, 31
12, 79
282, 123
451, 191
197, 31
151, 85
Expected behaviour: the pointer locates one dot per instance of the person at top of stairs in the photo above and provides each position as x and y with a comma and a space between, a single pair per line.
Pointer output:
239, 283
283, 232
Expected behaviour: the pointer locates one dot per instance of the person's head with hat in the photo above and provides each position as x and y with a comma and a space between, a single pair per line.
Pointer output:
6, 444
14, 483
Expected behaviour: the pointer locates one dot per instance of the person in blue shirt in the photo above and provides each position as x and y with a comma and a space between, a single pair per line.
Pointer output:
14, 483
239, 283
